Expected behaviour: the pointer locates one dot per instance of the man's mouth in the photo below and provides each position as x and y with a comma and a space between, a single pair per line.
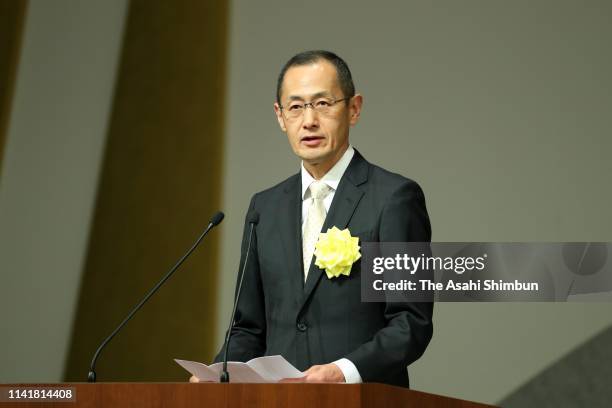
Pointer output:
309, 138
311, 141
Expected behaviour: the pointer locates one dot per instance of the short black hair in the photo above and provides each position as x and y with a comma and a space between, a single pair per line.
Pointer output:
308, 57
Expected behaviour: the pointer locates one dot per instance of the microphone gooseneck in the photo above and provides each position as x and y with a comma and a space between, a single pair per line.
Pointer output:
252, 219
214, 221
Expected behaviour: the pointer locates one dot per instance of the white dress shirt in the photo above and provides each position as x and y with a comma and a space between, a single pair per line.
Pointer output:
332, 179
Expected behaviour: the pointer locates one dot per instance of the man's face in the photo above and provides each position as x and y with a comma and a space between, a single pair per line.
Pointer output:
318, 139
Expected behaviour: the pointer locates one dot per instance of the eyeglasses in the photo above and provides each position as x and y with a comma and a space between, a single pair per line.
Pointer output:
323, 106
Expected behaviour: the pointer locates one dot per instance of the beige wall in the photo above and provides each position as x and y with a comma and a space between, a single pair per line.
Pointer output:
52, 154
499, 109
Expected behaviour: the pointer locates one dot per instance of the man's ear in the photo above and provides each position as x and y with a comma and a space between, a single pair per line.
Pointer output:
355, 108
279, 117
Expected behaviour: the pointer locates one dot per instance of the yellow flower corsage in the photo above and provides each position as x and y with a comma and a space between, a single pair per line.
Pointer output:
336, 251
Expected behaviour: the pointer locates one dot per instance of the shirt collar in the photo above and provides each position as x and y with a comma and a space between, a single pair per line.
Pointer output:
332, 177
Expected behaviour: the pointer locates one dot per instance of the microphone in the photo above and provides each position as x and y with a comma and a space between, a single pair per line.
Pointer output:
214, 221
252, 219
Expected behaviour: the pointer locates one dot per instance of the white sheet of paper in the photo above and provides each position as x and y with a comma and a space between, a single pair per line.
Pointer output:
258, 370
198, 369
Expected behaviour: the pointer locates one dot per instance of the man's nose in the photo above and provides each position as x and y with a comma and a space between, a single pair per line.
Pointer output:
311, 118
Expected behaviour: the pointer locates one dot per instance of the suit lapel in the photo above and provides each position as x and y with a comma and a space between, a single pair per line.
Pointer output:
340, 213
290, 221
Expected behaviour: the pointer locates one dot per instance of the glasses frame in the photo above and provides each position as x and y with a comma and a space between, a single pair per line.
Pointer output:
333, 102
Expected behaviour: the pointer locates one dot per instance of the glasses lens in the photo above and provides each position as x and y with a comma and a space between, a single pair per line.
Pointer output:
323, 106
294, 113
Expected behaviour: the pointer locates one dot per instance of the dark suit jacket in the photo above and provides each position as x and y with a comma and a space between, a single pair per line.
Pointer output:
322, 320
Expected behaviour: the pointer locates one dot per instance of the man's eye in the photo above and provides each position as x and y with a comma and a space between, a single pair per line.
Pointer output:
322, 103
295, 107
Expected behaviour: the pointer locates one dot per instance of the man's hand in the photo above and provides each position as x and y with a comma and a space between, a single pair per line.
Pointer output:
327, 373
194, 379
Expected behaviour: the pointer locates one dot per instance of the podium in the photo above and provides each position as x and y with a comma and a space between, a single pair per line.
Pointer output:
204, 395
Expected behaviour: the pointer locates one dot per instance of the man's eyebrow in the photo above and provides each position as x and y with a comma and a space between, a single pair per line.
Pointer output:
313, 96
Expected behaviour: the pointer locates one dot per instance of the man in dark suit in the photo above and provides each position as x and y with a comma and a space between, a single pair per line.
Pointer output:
288, 305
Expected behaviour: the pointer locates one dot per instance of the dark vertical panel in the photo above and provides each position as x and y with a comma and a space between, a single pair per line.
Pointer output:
160, 182
12, 17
